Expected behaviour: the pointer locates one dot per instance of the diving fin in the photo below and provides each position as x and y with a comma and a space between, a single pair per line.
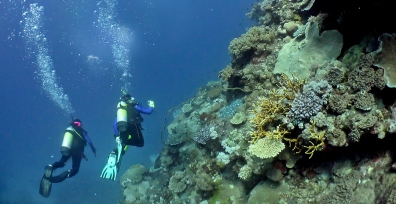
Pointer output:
119, 150
113, 164
45, 184
111, 169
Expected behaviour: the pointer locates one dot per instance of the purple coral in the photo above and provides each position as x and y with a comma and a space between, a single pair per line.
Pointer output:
305, 105
308, 103
203, 135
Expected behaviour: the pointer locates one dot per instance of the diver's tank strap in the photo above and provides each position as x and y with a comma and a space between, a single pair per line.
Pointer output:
72, 130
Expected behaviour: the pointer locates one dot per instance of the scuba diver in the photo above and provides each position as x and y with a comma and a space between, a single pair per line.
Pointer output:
74, 140
127, 131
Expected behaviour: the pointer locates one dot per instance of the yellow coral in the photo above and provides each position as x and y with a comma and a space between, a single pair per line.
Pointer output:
291, 86
316, 139
265, 143
266, 147
267, 108
278, 134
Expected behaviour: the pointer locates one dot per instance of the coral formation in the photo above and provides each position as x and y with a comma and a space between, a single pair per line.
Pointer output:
297, 57
266, 147
255, 41
238, 119
304, 113
177, 183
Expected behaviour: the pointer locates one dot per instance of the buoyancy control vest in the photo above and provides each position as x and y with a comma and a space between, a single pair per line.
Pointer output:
127, 114
72, 139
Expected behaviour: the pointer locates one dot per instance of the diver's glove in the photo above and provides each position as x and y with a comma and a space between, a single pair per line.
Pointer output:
118, 140
151, 103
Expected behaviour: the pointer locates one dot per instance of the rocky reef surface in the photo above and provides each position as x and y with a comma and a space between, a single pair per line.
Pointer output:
304, 113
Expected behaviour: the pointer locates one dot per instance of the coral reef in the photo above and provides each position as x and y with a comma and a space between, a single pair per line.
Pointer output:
304, 113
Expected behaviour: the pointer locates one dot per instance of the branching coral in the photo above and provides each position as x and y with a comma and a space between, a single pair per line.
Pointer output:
291, 86
316, 140
266, 109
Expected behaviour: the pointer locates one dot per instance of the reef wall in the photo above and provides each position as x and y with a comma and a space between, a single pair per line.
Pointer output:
304, 113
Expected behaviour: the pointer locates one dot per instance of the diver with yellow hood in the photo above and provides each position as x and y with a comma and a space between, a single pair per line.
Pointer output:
75, 139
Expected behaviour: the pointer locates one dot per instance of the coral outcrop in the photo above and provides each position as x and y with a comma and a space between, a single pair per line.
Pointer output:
304, 113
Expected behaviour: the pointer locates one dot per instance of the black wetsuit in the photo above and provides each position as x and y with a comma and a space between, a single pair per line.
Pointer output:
133, 134
80, 139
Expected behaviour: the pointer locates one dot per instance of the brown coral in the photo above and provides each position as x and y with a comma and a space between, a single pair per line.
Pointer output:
336, 137
334, 76
255, 41
339, 103
364, 101
364, 77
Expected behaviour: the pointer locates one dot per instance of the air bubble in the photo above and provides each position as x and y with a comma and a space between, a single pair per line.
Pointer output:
37, 46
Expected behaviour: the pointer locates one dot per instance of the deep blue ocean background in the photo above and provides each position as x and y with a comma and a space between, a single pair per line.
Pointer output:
177, 47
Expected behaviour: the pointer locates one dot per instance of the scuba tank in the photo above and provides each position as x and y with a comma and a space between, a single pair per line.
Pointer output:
67, 141
122, 116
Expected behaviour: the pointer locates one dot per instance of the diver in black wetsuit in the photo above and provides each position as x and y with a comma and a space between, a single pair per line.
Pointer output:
74, 141
127, 131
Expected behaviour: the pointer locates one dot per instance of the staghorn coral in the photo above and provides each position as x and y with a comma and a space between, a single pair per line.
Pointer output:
316, 140
267, 109
291, 85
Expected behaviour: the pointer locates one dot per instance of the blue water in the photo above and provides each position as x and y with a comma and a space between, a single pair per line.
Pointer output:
174, 48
